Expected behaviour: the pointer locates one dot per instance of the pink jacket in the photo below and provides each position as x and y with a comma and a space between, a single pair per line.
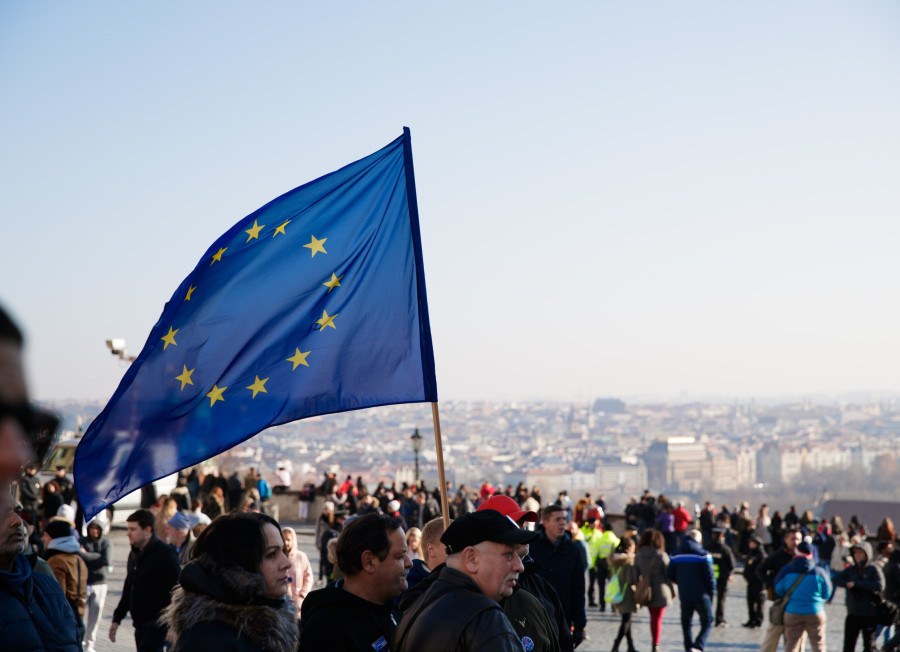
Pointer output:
301, 573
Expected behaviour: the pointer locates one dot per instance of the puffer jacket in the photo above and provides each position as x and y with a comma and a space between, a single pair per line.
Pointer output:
867, 582
811, 593
478, 622
655, 563
34, 614
692, 570
223, 608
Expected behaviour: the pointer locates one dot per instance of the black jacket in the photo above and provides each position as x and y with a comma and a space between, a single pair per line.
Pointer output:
152, 573
723, 560
532, 581
29, 491
563, 565
868, 583
751, 564
335, 619
478, 622
770, 566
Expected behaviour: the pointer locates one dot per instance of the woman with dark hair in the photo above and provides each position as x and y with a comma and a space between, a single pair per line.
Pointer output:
652, 561
232, 593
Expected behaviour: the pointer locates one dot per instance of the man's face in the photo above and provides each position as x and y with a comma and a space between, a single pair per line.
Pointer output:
137, 536
792, 540
555, 525
13, 535
390, 574
14, 449
176, 536
498, 568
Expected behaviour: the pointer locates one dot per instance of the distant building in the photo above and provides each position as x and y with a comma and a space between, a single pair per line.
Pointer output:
609, 405
688, 464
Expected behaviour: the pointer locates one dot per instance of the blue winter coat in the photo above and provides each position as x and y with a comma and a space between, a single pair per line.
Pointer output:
34, 614
810, 595
692, 570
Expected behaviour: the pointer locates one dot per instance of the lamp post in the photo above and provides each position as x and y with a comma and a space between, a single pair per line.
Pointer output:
416, 440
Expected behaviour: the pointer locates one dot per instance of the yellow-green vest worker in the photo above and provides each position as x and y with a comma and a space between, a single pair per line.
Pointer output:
608, 543
592, 537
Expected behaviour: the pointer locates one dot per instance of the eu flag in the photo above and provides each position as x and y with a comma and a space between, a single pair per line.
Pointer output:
313, 304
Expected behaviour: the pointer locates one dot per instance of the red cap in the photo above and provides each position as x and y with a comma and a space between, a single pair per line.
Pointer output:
508, 507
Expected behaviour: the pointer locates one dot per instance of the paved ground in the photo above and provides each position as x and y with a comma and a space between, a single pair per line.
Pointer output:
602, 628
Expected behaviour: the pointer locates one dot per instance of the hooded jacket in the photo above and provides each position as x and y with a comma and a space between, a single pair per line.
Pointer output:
223, 608
98, 557
811, 593
335, 619
34, 615
692, 570
69, 569
867, 581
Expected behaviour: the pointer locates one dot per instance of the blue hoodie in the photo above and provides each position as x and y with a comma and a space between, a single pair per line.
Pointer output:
810, 595
692, 570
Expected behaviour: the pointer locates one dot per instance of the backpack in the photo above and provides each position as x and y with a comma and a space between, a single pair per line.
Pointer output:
265, 490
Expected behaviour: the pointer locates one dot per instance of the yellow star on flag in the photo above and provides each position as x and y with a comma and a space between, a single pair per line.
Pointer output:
334, 282
315, 246
258, 386
218, 255
215, 394
327, 320
190, 292
169, 338
280, 229
299, 359
254, 231
185, 377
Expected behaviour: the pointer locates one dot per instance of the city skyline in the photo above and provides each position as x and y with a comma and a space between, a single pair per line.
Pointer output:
616, 200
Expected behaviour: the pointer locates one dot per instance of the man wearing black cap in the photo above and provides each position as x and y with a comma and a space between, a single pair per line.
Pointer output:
460, 609
723, 564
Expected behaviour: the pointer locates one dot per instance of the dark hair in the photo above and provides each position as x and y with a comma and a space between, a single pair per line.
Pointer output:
652, 538
235, 539
549, 510
624, 544
369, 532
9, 332
792, 530
143, 517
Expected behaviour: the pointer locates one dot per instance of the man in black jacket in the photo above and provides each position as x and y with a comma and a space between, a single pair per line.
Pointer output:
563, 565
723, 565
358, 613
153, 571
460, 610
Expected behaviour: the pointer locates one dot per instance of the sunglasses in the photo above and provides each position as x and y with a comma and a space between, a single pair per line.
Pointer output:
39, 425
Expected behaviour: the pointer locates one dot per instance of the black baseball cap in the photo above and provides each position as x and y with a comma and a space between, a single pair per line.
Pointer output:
486, 525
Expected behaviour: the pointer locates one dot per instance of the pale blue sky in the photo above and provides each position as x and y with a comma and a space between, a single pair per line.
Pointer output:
616, 198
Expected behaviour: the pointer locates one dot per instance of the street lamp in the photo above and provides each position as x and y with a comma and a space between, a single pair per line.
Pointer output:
416, 440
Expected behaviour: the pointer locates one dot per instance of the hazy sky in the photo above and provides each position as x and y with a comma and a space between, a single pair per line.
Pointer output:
616, 198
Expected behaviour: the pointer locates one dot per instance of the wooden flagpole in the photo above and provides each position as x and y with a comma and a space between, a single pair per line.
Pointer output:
445, 502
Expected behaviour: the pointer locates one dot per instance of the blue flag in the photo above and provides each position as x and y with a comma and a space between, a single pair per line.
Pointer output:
313, 304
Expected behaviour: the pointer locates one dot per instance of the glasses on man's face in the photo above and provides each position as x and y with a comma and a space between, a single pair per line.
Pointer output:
39, 426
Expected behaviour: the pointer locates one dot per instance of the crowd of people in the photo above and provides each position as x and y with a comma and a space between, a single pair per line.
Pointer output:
210, 569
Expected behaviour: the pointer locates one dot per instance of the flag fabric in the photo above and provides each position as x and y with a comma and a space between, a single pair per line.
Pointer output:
313, 304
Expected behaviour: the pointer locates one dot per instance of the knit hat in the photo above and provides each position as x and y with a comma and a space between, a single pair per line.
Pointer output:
57, 529
803, 549
67, 514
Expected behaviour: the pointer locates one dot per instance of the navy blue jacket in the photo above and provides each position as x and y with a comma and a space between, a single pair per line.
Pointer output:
34, 613
563, 566
692, 570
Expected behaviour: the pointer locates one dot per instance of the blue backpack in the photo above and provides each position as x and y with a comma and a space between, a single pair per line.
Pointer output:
265, 490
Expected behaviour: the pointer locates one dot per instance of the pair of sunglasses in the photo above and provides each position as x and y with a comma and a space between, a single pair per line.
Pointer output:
39, 425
